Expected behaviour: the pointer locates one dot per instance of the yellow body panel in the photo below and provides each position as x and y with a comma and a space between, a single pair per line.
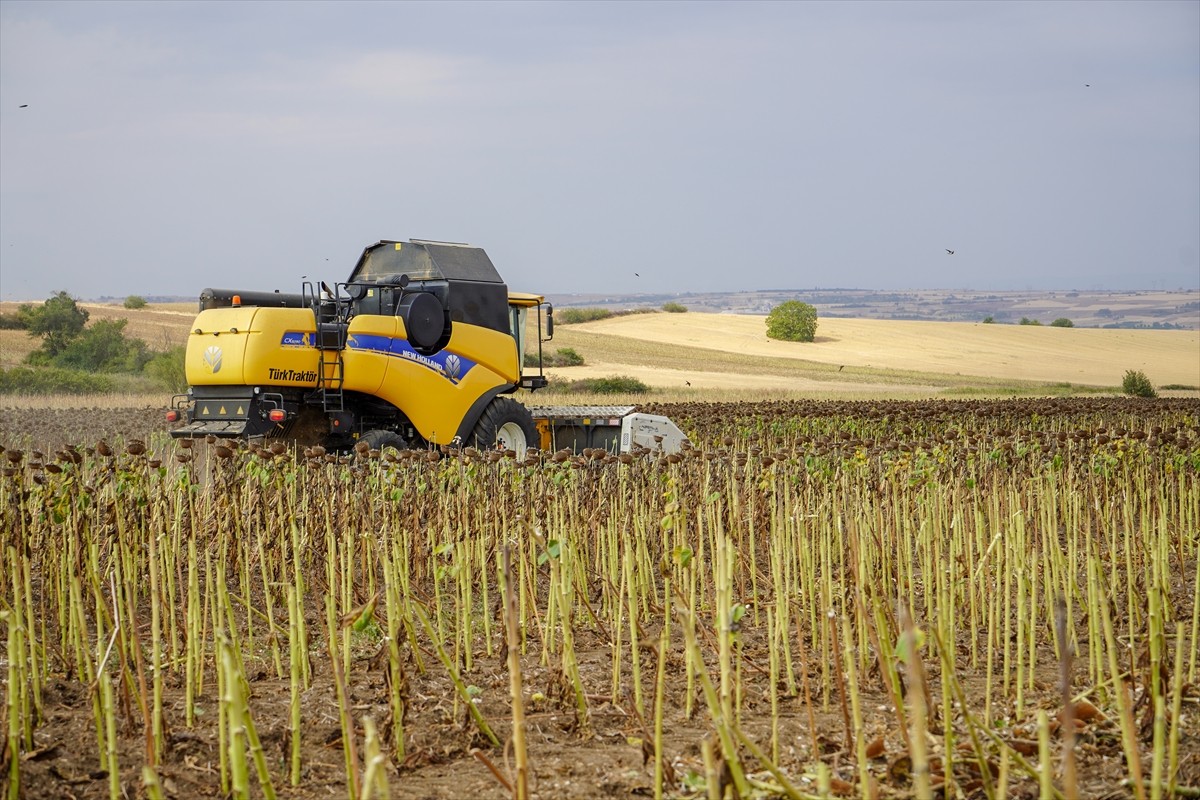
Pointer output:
249, 346
434, 392
365, 368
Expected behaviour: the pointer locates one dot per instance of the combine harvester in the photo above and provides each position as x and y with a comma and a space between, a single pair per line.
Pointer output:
420, 348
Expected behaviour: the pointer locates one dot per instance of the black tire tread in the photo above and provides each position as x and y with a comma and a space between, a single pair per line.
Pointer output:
499, 412
379, 439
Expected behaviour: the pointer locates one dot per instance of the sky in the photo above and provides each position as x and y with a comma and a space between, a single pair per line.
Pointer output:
158, 148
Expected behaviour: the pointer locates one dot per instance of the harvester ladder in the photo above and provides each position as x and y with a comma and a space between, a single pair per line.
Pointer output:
331, 371
332, 325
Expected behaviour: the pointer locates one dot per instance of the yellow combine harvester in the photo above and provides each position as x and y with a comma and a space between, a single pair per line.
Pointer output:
420, 347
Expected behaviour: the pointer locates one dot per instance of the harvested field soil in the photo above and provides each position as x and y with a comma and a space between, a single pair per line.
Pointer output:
176, 619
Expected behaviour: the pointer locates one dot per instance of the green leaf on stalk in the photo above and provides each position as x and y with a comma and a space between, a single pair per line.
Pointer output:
909, 644
553, 550
365, 619
683, 556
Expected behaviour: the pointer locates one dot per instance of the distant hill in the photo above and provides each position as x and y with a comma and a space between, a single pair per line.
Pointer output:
149, 298
1158, 309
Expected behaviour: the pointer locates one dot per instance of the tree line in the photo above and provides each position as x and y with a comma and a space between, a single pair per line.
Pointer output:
70, 345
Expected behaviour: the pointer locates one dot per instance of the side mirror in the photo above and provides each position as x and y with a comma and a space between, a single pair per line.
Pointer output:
549, 322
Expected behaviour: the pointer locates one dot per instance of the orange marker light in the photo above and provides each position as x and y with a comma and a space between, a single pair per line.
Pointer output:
277, 415
237, 299
172, 416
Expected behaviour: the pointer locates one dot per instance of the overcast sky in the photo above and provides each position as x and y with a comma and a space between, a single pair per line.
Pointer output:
167, 147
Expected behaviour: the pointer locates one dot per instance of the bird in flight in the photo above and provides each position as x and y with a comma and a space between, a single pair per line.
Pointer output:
25, 105
951, 252
687, 383
636, 275
842, 367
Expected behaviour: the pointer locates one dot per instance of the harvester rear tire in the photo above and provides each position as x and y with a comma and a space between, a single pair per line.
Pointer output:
382, 440
505, 425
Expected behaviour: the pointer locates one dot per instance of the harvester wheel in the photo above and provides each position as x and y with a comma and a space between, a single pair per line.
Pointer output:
505, 425
382, 440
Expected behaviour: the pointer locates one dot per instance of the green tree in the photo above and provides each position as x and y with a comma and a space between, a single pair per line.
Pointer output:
792, 321
674, 308
135, 302
1062, 322
58, 321
989, 320
1028, 321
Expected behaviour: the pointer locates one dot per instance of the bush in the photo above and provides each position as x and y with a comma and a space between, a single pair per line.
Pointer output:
570, 316
134, 302
674, 308
1062, 322
51, 380
1028, 321
103, 347
167, 369
18, 320
563, 357
1137, 384
792, 321
989, 320
613, 384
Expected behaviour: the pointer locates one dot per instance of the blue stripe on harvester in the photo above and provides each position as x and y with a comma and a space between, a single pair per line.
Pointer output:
451, 366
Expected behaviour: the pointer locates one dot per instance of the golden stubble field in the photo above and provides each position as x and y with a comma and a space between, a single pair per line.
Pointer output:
874, 350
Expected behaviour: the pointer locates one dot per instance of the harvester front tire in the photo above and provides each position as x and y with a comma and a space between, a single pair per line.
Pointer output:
505, 425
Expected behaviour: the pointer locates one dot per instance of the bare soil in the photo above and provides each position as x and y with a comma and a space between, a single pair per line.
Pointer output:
608, 758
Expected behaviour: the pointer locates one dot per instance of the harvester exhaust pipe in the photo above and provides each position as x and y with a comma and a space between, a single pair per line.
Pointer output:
224, 298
